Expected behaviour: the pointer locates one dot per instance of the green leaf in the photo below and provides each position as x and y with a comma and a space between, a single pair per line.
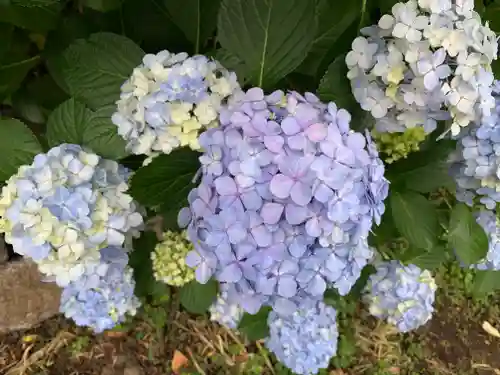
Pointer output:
466, 237
429, 260
46, 91
27, 107
34, 3
96, 67
166, 181
415, 218
486, 282
334, 18
40, 18
140, 261
5, 39
197, 298
102, 5
272, 37
12, 75
19, 146
73, 122
430, 178
196, 18
255, 326
232, 63
335, 86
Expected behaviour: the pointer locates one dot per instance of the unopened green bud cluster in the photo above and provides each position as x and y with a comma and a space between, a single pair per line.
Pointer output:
395, 146
169, 264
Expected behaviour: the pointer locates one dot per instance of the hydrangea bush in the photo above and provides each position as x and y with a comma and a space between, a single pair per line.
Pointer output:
293, 173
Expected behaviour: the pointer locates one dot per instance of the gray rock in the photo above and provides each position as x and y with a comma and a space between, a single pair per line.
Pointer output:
25, 300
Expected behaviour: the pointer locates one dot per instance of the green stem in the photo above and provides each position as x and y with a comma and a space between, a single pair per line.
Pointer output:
363, 11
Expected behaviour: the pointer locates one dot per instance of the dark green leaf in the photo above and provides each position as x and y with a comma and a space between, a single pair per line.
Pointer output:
73, 122
34, 3
197, 298
140, 261
5, 39
429, 178
102, 5
196, 18
466, 237
385, 6
486, 282
96, 67
272, 37
415, 218
39, 19
166, 181
46, 91
334, 18
27, 108
19, 146
335, 86
429, 260
255, 326
12, 75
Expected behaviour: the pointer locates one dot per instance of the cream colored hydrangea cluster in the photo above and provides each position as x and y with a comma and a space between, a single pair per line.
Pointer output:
429, 60
169, 99
169, 265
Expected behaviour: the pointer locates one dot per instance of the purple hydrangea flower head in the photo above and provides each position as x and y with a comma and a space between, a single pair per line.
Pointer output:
63, 208
403, 295
306, 340
104, 294
169, 99
287, 198
476, 162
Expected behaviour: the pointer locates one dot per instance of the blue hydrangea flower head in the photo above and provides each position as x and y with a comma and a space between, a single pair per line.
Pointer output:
491, 225
306, 340
224, 313
403, 295
169, 99
476, 162
287, 198
63, 208
104, 294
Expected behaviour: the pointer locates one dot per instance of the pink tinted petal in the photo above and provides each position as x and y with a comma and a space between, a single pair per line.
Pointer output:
225, 185
271, 212
296, 214
316, 132
239, 118
297, 142
274, 143
290, 126
281, 186
244, 181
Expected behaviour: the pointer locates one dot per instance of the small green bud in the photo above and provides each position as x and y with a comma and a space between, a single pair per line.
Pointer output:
395, 146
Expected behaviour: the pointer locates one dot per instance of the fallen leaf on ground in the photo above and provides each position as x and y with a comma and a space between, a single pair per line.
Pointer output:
490, 329
179, 361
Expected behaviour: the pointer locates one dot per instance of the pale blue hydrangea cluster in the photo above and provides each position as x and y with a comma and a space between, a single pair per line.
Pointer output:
491, 225
428, 60
403, 295
169, 99
306, 340
63, 208
476, 162
287, 198
225, 313
103, 295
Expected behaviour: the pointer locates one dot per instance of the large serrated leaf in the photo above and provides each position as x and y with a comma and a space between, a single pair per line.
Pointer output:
486, 282
255, 326
12, 75
196, 18
95, 68
166, 181
196, 297
415, 218
429, 260
35, 18
19, 146
271, 37
335, 86
73, 122
466, 237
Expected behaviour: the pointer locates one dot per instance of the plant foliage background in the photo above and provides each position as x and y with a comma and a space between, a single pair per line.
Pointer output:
62, 64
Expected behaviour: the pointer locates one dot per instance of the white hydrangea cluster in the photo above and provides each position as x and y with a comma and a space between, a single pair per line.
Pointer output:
65, 207
225, 313
429, 60
169, 99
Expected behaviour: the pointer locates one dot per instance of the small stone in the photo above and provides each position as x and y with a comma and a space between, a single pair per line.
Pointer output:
25, 299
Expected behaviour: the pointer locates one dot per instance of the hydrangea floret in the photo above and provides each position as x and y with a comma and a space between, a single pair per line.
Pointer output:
476, 162
306, 340
169, 99
402, 295
168, 259
428, 60
227, 314
287, 197
60, 210
103, 295
396, 146
489, 221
